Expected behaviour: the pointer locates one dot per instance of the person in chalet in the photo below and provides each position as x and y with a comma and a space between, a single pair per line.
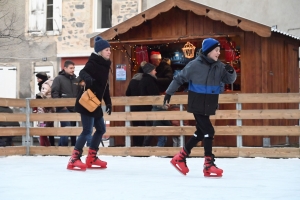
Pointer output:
149, 87
133, 90
204, 75
164, 72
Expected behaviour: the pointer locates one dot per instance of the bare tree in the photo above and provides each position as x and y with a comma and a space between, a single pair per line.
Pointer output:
10, 32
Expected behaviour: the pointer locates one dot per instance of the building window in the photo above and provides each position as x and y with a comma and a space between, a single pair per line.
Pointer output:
45, 17
103, 14
49, 18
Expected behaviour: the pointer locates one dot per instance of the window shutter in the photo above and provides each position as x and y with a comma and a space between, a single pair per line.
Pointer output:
57, 17
32, 16
37, 16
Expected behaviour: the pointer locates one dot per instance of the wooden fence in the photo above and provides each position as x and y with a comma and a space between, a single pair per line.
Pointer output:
238, 114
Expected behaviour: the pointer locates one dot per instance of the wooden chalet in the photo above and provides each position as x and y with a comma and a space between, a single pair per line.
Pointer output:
266, 61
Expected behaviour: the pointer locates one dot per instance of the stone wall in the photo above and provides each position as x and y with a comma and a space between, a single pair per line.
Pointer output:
124, 9
77, 23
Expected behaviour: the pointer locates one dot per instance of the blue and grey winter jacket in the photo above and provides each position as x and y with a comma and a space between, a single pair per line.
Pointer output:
204, 76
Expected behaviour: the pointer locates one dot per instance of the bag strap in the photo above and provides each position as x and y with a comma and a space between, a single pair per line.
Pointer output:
104, 89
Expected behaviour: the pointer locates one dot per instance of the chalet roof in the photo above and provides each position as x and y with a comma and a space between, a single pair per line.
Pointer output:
199, 9
285, 33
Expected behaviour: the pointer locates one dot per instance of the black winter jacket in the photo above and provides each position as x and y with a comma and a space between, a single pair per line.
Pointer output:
133, 89
161, 122
65, 86
164, 74
148, 87
95, 74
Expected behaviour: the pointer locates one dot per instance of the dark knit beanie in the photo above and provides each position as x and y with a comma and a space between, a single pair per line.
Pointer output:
148, 67
42, 75
100, 44
208, 45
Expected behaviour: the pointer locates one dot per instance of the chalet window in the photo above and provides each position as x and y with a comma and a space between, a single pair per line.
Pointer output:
103, 15
45, 17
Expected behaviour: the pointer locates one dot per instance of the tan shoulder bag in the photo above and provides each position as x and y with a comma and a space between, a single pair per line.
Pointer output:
89, 100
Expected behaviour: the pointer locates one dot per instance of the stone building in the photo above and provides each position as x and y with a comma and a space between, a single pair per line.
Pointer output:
53, 31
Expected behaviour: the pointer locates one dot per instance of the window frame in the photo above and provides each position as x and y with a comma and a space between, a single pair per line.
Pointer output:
40, 18
95, 21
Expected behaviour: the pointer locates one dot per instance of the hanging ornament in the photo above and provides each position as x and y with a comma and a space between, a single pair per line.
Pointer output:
189, 50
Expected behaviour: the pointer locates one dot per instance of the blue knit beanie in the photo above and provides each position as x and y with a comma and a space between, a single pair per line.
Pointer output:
100, 44
208, 45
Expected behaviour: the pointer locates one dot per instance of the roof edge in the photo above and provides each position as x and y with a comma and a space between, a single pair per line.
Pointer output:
197, 8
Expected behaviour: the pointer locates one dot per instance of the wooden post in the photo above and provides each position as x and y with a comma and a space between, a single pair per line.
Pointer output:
27, 141
127, 124
182, 142
239, 138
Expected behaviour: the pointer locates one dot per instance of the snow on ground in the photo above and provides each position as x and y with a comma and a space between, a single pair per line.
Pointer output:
143, 178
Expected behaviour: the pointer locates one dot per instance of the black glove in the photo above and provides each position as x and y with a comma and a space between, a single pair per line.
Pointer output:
167, 99
229, 69
108, 109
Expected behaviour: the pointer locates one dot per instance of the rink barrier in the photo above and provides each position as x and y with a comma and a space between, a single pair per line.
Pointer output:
26, 117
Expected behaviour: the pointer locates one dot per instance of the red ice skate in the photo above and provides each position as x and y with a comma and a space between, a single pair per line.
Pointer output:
210, 169
92, 159
179, 162
75, 162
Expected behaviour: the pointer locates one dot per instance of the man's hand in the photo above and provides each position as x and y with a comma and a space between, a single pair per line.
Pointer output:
108, 109
82, 83
167, 99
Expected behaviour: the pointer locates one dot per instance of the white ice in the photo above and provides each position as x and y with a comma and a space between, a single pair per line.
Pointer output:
143, 178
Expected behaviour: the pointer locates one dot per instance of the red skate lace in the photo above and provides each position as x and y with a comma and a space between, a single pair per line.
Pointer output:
183, 158
94, 156
211, 163
73, 159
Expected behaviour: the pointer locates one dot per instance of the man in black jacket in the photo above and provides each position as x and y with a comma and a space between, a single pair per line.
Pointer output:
65, 85
133, 90
164, 72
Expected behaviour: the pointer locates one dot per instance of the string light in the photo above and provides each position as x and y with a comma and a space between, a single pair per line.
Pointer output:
134, 63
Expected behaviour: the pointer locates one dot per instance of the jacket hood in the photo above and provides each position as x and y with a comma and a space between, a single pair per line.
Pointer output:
62, 72
138, 76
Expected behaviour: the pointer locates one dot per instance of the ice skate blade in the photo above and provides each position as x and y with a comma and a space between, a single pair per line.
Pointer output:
76, 169
96, 167
213, 175
178, 169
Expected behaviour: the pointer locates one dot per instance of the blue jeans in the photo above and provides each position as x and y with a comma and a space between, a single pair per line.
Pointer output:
161, 141
87, 128
64, 140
